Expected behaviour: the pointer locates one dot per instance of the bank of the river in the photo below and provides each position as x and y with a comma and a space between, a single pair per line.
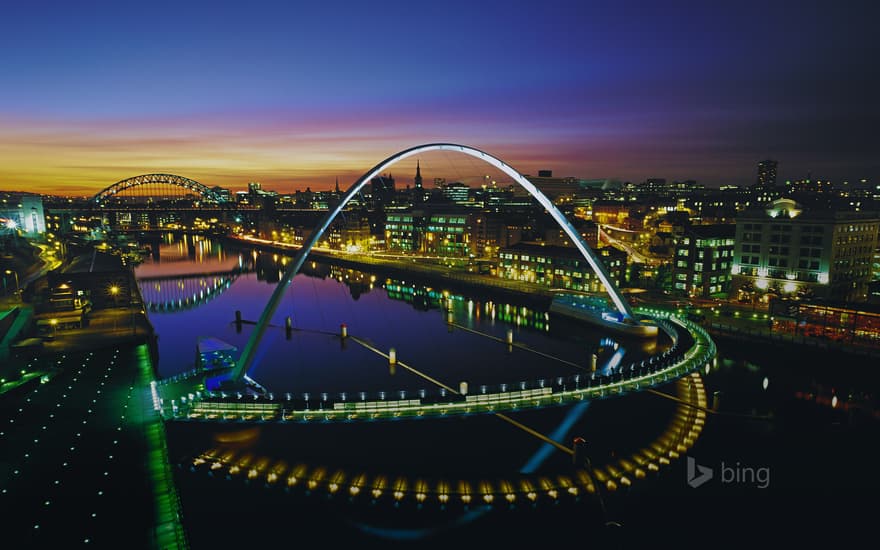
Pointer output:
536, 294
450, 278
763, 335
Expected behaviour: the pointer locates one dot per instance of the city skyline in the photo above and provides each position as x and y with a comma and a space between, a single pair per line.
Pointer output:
441, 273
297, 97
403, 175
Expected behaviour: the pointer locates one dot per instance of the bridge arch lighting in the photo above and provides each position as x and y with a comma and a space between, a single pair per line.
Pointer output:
149, 179
293, 267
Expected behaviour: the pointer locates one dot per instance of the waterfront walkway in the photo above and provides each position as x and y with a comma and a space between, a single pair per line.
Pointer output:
84, 459
406, 267
762, 334
106, 327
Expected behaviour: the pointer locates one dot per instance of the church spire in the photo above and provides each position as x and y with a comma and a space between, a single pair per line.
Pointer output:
337, 185
418, 179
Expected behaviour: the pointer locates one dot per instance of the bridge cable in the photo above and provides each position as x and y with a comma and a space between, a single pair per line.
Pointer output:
707, 409
290, 307
348, 300
453, 391
318, 303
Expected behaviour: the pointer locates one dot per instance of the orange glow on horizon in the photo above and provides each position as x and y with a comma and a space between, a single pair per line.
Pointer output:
81, 158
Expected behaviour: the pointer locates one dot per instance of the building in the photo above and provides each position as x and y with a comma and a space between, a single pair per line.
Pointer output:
354, 233
675, 222
784, 250
554, 187
95, 280
719, 206
488, 234
492, 231
875, 267
492, 197
767, 173
809, 186
382, 191
222, 193
610, 212
703, 259
446, 233
558, 266
419, 194
556, 236
685, 188
456, 192
255, 189
22, 212
654, 186
417, 181
440, 231
400, 232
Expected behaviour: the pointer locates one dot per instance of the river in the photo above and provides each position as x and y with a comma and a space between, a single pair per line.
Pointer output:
807, 419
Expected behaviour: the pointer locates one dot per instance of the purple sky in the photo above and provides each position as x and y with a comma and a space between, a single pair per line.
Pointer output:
294, 94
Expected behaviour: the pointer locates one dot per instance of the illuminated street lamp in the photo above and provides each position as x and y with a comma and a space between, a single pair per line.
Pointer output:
11, 272
114, 291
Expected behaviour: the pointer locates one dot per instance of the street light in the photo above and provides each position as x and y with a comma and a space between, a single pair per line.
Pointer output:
114, 291
11, 272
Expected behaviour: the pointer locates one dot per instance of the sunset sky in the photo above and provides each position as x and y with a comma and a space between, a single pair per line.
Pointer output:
298, 93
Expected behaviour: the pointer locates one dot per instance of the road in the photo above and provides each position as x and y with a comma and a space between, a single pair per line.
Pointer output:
106, 327
411, 264
634, 254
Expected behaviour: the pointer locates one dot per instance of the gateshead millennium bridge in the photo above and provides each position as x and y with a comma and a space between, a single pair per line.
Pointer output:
220, 390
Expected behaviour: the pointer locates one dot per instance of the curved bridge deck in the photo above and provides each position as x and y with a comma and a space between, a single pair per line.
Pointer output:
183, 399
229, 463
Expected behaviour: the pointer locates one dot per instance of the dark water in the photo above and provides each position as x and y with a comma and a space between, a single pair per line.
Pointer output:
806, 419
399, 314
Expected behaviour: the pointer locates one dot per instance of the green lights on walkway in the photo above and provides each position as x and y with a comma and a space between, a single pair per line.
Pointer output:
168, 531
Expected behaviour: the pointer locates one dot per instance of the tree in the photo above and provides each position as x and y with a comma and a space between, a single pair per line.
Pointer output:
663, 277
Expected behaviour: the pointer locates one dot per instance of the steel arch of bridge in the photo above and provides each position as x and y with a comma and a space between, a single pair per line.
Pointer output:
150, 179
293, 267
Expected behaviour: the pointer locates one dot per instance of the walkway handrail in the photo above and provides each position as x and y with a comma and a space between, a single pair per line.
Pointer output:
237, 406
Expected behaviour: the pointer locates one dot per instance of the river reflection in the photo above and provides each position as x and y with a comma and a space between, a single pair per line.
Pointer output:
197, 289
193, 286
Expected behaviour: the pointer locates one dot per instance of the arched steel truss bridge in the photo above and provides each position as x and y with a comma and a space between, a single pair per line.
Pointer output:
293, 267
161, 184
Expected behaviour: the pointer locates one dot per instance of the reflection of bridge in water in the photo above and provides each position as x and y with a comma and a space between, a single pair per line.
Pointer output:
170, 293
